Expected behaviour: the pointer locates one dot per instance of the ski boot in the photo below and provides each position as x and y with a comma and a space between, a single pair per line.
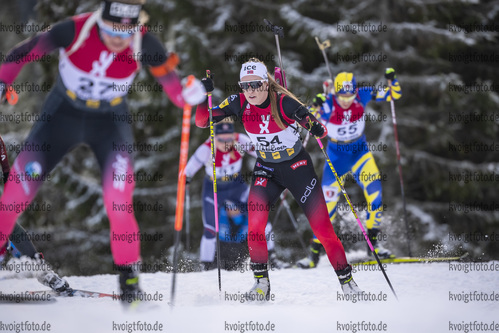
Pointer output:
129, 285
261, 289
313, 259
378, 248
348, 285
49, 278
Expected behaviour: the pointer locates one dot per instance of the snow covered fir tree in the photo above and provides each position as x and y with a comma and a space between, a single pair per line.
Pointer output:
446, 57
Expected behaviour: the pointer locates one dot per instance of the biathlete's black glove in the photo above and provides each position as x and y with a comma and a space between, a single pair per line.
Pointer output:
317, 129
188, 180
208, 83
308, 121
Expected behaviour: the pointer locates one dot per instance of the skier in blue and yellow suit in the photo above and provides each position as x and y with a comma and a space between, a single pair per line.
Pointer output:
343, 114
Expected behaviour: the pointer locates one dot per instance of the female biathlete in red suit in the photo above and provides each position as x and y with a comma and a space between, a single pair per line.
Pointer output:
270, 115
100, 54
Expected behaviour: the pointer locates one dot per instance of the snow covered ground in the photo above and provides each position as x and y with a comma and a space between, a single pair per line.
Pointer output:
303, 301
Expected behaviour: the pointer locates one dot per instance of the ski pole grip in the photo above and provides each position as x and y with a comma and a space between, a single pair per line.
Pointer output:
324, 45
279, 31
209, 76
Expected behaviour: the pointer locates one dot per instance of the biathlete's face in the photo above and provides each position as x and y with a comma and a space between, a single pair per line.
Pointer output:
345, 100
255, 89
224, 142
116, 36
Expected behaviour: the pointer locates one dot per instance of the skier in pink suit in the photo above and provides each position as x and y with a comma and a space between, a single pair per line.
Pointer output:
100, 54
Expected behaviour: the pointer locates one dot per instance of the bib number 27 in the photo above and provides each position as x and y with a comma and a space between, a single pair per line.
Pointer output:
87, 86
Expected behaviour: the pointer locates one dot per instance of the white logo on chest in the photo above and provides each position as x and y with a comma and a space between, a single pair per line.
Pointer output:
225, 160
347, 115
226, 167
264, 128
100, 67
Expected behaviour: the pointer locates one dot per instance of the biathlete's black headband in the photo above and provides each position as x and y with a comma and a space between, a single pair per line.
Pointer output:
224, 128
120, 12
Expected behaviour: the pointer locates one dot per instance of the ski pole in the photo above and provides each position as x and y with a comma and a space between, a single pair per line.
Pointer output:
184, 149
215, 199
323, 46
280, 77
278, 31
278, 211
187, 218
353, 211
395, 132
284, 203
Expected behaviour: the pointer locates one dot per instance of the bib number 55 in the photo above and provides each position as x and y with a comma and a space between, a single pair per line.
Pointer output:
347, 129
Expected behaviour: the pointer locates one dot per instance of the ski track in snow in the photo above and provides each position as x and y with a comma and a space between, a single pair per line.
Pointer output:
305, 300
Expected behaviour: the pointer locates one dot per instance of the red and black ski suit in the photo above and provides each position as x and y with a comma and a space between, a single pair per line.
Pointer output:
282, 163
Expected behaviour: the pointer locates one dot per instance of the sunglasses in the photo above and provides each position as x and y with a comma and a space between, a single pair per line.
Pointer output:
347, 99
111, 32
246, 85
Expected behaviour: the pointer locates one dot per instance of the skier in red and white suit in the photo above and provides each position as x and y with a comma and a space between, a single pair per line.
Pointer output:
100, 55
232, 190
